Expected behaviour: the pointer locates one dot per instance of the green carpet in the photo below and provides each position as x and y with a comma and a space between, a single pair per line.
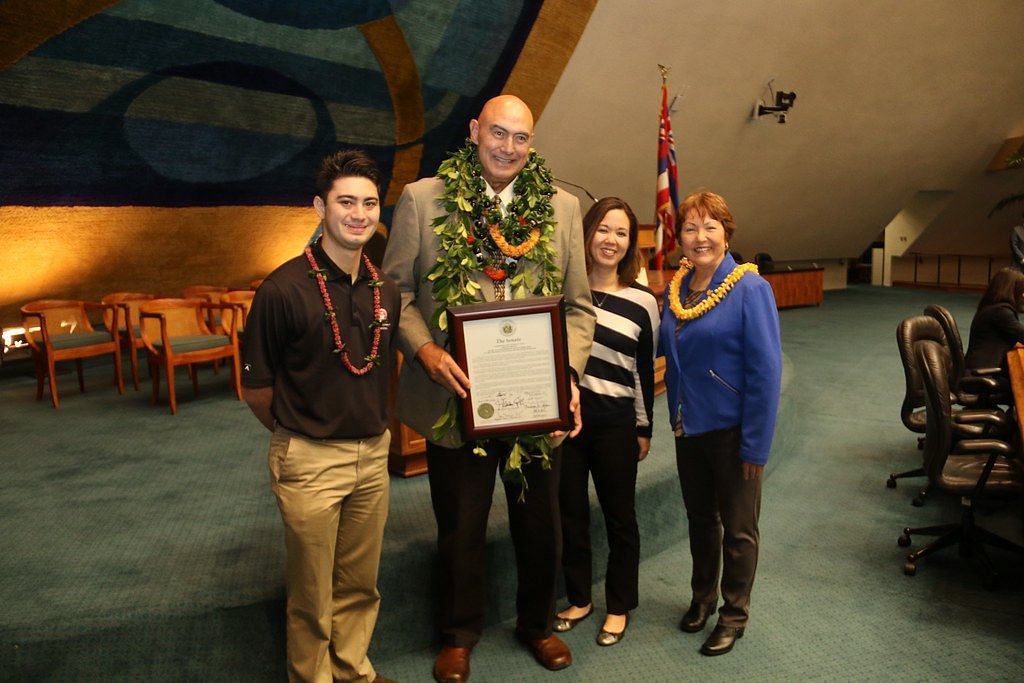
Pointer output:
137, 545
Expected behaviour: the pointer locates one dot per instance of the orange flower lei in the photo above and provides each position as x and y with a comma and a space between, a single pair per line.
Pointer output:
713, 297
513, 251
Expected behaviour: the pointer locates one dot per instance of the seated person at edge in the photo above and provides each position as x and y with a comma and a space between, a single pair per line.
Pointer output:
617, 397
320, 384
720, 336
996, 327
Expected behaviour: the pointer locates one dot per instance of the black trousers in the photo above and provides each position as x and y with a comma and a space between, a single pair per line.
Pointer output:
609, 455
722, 508
461, 489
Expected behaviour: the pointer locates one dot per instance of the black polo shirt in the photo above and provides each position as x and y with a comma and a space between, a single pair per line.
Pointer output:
289, 345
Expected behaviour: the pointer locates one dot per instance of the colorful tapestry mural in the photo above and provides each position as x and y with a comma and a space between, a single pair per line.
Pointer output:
148, 145
213, 102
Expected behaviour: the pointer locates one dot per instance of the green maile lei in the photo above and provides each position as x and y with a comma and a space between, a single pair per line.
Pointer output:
466, 246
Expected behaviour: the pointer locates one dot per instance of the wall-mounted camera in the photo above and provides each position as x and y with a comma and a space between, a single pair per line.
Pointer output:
783, 103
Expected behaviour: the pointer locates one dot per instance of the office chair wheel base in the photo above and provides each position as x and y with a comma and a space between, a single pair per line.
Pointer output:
891, 483
909, 568
917, 501
903, 541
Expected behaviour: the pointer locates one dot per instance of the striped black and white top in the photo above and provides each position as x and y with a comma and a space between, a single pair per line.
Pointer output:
618, 384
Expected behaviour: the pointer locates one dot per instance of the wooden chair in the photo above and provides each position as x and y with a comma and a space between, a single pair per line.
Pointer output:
175, 333
131, 336
65, 333
212, 294
240, 301
209, 292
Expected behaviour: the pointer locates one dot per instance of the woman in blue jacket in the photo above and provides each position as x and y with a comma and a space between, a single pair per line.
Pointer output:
720, 336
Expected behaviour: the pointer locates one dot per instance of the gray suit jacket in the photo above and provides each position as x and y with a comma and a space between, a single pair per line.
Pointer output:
412, 252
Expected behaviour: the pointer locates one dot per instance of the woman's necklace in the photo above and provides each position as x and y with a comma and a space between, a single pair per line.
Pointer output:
379, 322
714, 296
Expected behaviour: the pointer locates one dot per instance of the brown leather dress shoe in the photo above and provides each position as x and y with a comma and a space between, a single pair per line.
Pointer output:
452, 665
550, 652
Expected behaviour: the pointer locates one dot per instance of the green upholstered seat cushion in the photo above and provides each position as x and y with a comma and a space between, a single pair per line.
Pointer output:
196, 342
78, 340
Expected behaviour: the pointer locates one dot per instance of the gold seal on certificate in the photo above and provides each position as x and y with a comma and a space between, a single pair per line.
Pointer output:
516, 357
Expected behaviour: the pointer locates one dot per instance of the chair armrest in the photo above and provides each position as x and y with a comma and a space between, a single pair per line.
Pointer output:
43, 331
233, 332
127, 314
163, 332
980, 446
991, 417
978, 385
97, 306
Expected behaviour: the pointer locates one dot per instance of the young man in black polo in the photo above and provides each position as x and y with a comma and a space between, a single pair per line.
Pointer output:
318, 354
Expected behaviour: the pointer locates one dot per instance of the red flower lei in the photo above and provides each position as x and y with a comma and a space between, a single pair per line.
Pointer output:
380, 316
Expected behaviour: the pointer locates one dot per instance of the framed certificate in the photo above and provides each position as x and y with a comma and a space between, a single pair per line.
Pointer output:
516, 356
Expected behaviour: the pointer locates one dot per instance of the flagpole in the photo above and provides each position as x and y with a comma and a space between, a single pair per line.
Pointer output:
659, 229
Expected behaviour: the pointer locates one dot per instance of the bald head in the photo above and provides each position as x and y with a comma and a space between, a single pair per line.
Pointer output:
502, 134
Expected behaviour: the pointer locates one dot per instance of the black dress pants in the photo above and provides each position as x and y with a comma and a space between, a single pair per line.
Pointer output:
609, 455
722, 509
461, 489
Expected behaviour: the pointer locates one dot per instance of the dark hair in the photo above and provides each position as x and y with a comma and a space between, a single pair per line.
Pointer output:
629, 266
1006, 287
346, 163
709, 205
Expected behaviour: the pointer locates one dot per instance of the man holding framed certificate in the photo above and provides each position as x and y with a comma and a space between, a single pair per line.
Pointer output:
490, 227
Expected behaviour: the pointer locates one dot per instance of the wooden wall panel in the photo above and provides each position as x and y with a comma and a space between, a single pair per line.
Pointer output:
86, 252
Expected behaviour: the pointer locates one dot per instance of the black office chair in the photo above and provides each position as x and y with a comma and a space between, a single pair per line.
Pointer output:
982, 387
909, 332
969, 468
764, 262
912, 411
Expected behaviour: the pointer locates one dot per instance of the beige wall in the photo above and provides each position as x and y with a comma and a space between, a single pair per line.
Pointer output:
84, 253
894, 97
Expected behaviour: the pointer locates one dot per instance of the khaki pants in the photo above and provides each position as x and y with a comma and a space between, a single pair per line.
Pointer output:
333, 497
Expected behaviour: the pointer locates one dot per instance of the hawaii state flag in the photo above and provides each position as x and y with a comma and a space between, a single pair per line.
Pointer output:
668, 180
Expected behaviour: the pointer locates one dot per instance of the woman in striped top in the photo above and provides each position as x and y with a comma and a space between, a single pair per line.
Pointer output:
617, 392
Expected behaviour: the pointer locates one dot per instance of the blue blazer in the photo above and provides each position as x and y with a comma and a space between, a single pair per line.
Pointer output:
724, 369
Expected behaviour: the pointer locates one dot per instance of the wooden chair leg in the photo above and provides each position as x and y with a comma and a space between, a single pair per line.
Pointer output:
155, 374
52, 372
195, 381
133, 359
170, 389
118, 370
40, 373
81, 376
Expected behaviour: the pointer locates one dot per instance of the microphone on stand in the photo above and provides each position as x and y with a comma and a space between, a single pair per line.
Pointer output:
578, 187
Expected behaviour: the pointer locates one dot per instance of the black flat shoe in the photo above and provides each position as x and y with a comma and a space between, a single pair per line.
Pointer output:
721, 640
563, 624
607, 638
696, 617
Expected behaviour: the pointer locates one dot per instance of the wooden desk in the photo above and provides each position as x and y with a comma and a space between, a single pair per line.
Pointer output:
791, 287
1015, 361
797, 287
407, 456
